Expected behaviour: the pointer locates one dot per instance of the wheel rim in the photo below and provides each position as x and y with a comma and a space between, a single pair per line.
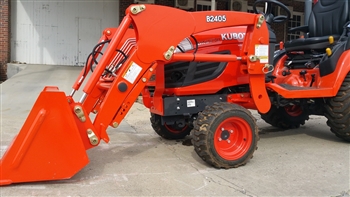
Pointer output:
233, 138
175, 129
293, 110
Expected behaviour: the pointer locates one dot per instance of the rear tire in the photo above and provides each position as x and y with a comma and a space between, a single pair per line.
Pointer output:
288, 117
169, 132
225, 135
337, 111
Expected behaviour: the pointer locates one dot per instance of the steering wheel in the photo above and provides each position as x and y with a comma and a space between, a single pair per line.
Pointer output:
268, 14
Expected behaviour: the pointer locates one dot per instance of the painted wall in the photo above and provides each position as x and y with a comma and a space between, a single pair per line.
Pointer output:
59, 32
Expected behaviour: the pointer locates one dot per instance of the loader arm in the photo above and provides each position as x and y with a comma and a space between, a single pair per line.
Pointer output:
156, 31
117, 80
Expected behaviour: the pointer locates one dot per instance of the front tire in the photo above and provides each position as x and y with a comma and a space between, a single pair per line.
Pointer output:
288, 117
337, 111
169, 132
225, 135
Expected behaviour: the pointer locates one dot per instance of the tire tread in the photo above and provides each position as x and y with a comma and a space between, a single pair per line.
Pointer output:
201, 131
337, 111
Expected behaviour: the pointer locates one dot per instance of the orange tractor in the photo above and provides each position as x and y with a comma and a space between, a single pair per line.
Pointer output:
198, 72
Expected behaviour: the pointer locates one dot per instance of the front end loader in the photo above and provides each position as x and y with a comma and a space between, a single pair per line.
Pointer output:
127, 60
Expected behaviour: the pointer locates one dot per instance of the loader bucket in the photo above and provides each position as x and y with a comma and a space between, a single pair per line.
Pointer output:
48, 147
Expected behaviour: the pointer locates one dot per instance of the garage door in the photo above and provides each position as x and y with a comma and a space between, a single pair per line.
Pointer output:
59, 32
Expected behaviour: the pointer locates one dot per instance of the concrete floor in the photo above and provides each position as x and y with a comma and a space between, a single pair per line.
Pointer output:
309, 161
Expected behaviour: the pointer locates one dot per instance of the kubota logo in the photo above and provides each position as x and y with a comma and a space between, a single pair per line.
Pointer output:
232, 36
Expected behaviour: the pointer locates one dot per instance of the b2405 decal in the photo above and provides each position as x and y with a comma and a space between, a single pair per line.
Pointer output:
215, 19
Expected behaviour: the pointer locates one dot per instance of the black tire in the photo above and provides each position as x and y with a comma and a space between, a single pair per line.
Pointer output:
337, 111
289, 117
169, 132
225, 135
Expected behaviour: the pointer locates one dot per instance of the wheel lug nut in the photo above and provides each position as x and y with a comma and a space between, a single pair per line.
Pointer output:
228, 141
231, 131
220, 139
222, 129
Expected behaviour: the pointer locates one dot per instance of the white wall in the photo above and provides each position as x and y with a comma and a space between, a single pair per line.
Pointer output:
59, 31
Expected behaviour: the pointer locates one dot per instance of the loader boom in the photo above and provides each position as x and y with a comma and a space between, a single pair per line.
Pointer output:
118, 94
120, 77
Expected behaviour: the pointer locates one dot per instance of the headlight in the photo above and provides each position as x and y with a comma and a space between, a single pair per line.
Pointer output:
184, 45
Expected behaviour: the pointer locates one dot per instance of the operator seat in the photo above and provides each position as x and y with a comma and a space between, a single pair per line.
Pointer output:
327, 18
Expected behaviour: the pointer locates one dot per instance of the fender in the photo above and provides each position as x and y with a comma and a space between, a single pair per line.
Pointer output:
335, 79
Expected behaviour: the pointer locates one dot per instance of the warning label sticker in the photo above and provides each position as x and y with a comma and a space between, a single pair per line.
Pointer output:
191, 103
262, 52
132, 73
